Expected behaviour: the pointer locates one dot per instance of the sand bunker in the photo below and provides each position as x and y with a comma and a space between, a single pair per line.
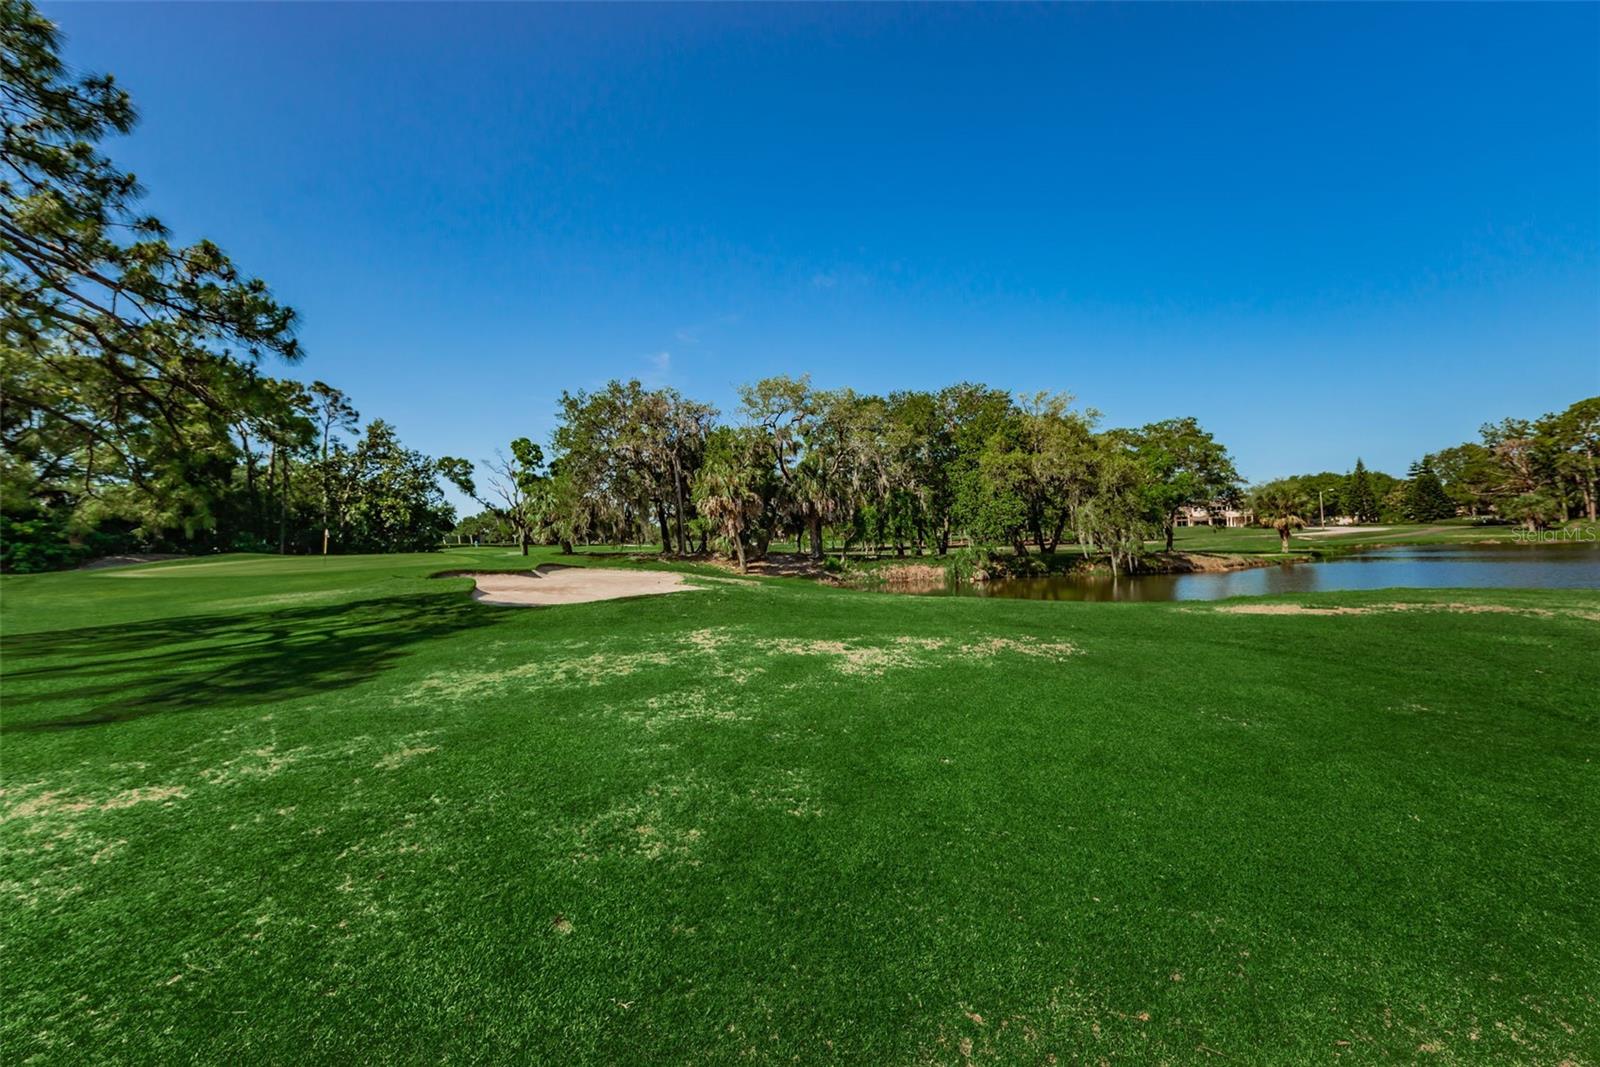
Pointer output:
570, 585
1340, 531
128, 561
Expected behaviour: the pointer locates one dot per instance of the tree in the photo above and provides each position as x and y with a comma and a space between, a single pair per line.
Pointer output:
1392, 501
1037, 469
808, 435
128, 360
591, 449
1536, 510
1357, 497
486, 526
566, 512
725, 488
1571, 440
679, 427
1116, 511
1470, 473
1281, 506
459, 473
969, 416
333, 411
629, 453
1184, 466
389, 495
1512, 441
287, 427
917, 499
1426, 500
518, 482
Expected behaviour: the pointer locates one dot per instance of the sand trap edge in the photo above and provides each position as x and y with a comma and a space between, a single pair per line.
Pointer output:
552, 585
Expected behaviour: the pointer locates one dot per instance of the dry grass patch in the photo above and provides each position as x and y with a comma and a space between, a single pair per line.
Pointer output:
672, 709
593, 669
52, 804
996, 646
399, 758
910, 653
648, 826
734, 657
852, 659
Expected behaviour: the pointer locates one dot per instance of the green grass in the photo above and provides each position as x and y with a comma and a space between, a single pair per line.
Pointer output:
332, 810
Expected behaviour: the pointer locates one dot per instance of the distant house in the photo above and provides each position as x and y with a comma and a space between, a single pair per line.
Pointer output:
1216, 513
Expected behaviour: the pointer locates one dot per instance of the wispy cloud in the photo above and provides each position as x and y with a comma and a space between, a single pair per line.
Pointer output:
658, 369
697, 332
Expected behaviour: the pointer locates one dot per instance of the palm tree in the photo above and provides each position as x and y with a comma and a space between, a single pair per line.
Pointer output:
1281, 507
724, 489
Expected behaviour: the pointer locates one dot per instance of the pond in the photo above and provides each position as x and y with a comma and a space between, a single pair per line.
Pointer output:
1418, 567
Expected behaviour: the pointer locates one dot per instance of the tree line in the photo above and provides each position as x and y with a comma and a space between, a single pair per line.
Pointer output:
1536, 472
909, 472
134, 412
913, 470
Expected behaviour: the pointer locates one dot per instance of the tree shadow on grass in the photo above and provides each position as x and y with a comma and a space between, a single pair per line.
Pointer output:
202, 663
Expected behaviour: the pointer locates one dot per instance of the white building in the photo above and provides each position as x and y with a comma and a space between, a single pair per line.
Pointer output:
1215, 514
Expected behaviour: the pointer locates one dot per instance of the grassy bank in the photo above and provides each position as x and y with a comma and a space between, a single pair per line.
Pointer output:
278, 809
982, 565
1335, 540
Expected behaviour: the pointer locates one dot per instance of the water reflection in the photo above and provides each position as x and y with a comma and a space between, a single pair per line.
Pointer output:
1421, 567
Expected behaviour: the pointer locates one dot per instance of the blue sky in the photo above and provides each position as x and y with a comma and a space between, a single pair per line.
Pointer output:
1324, 230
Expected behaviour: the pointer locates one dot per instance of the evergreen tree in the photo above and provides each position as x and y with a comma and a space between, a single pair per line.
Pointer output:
1426, 499
130, 362
1357, 497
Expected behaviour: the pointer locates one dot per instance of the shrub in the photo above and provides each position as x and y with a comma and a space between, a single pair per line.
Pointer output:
41, 542
970, 564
